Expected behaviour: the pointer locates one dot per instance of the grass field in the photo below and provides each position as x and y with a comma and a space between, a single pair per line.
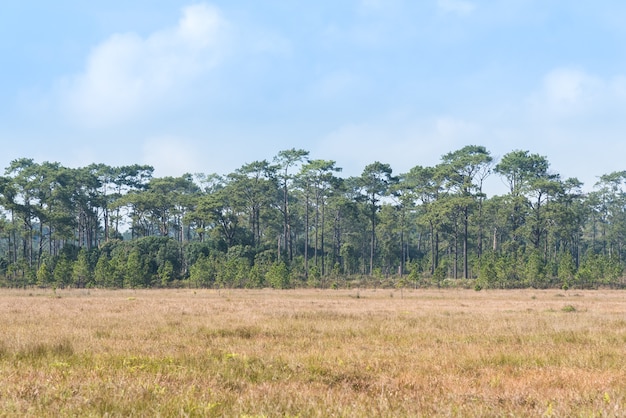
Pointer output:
312, 353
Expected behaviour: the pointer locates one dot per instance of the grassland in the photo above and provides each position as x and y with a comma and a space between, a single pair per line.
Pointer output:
312, 353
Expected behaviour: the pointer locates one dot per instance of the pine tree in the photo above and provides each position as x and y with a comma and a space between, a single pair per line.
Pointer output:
81, 272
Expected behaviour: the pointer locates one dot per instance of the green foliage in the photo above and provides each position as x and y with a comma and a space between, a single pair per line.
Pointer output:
278, 276
81, 272
118, 268
232, 271
166, 273
314, 277
63, 271
612, 270
350, 258
488, 273
256, 278
566, 269
598, 270
416, 274
192, 251
509, 268
61, 226
535, 272
104, 273
45, 273
440, 274
136, 275
202, 272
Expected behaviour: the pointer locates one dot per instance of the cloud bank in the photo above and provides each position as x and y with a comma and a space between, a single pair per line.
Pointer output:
126, 75
173, 156
572, 116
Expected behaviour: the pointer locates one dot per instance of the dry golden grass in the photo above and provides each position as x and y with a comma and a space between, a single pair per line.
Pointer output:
312, 353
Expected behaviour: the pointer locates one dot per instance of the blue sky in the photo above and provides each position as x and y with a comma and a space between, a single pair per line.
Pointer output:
207, 86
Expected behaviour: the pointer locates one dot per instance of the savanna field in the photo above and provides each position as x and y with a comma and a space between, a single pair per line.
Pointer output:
348, 353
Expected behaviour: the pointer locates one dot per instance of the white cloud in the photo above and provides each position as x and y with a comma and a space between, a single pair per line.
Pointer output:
567, 88
400, 140
451, 128
172, 156
459, 7
573, 117
127, 74
567, 93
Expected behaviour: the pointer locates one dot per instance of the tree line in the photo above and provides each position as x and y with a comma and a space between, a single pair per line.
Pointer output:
295, 221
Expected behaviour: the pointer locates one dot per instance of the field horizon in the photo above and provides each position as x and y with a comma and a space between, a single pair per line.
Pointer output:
309, 352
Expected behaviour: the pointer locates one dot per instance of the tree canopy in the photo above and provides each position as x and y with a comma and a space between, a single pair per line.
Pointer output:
296, 222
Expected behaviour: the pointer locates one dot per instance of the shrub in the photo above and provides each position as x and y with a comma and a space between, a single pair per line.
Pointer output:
278, 276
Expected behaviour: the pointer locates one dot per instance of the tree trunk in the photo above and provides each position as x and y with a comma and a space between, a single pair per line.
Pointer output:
465, 240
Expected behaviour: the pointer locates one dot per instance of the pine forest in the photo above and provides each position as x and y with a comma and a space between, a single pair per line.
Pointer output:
295, 221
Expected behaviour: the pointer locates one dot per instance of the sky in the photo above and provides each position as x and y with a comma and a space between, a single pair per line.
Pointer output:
207, 86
